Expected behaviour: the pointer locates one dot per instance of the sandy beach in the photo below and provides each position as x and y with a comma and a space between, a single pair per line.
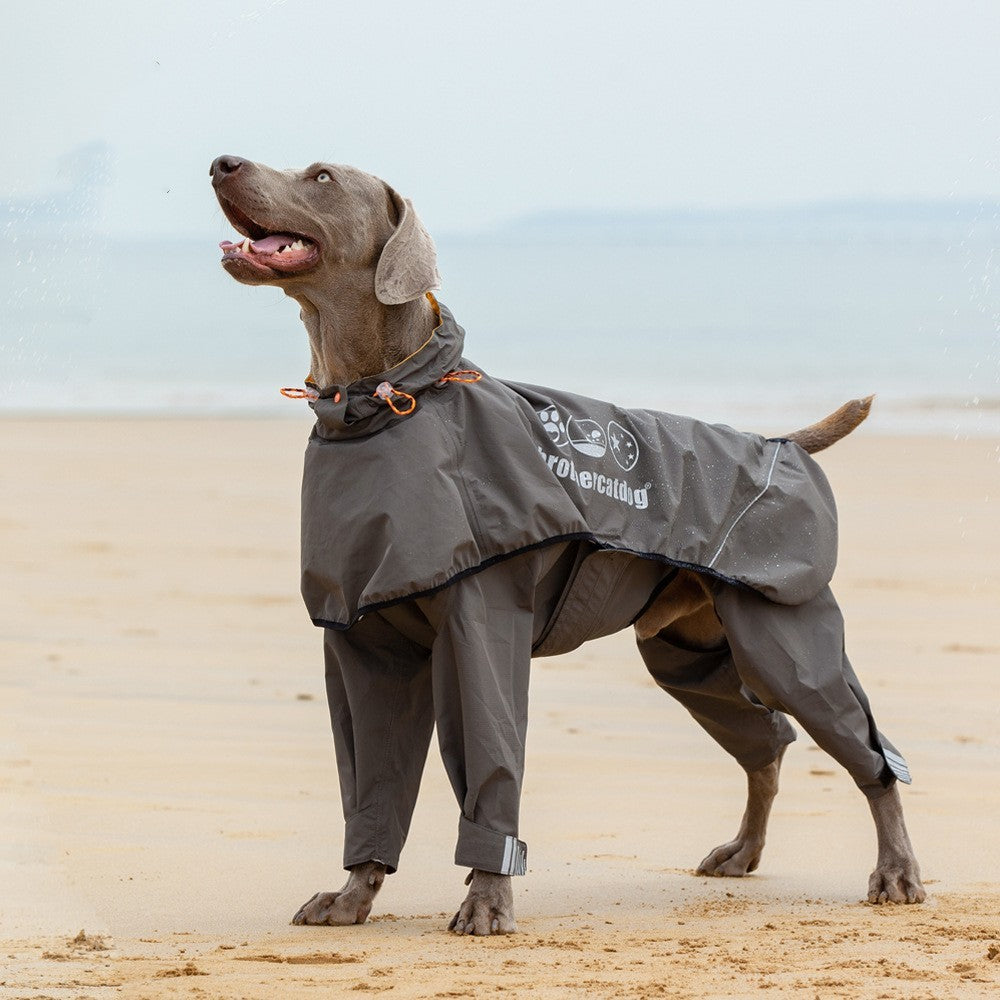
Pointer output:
169, 792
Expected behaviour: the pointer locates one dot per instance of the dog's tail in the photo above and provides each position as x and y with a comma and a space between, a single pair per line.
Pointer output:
831, 429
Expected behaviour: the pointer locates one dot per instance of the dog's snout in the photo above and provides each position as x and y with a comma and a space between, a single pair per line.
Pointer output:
223, 166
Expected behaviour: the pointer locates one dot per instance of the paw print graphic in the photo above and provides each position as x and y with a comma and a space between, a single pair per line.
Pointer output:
554, 425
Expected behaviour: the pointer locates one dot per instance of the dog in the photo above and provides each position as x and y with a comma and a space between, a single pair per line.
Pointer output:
385, 357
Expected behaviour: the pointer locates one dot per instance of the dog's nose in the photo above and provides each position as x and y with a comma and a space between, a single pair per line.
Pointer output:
223, 166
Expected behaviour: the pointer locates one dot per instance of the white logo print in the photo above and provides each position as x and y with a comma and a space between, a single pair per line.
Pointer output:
589, 438
554, 426
624, 446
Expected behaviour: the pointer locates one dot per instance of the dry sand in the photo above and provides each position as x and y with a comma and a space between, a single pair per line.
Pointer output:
168, 782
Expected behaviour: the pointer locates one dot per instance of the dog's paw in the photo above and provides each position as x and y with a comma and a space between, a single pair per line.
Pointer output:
349, 906
488, 908
732, 860
896, 882
334, 908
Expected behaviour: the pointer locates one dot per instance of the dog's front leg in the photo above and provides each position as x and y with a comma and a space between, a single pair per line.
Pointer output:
349, 906
896, 878
489, 906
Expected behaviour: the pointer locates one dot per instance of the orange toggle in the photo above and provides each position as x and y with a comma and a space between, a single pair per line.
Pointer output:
385, 392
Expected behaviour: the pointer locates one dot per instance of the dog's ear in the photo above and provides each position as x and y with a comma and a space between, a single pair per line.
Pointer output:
407, 266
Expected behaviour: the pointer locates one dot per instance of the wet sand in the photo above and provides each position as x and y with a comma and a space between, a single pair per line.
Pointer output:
169, 788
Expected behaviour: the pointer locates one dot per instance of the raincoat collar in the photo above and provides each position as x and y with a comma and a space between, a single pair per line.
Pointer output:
356, 411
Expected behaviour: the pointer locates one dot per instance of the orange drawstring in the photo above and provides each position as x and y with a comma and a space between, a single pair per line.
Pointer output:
461, 375
296, 393
385, 392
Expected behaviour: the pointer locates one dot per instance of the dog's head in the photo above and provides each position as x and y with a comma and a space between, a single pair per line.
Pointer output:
303, 227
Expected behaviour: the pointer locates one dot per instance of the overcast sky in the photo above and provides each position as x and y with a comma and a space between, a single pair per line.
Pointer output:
480, 112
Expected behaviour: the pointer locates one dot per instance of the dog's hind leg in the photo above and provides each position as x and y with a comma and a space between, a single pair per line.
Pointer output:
793, 658
896, 878
741, 855
705, 682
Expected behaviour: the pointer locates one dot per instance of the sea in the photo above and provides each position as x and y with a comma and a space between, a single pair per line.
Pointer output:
764, 320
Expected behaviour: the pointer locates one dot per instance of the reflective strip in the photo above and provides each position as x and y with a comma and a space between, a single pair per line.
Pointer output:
508, 846
739, 517
898, 766
515, 857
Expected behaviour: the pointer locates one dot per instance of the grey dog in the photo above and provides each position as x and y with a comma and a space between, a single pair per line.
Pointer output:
355, 257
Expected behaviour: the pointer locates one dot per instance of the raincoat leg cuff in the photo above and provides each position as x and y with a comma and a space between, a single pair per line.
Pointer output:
761, 754
894, 768
895, 762
877, 788
364, 842
490, 851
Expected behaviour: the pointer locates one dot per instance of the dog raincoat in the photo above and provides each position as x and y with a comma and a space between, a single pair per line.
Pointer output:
454, 525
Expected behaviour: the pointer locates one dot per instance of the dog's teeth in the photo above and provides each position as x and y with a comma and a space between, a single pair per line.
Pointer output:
297, 245
245, 245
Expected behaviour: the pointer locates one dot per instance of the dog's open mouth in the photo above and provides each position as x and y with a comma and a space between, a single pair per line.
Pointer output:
263, 251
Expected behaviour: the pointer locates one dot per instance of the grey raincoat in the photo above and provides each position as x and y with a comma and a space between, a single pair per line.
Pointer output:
454, 525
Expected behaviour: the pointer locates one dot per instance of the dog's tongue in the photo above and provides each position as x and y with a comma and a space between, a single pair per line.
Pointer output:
273, 243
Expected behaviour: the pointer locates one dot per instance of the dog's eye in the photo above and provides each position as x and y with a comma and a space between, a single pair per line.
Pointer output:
323, 177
